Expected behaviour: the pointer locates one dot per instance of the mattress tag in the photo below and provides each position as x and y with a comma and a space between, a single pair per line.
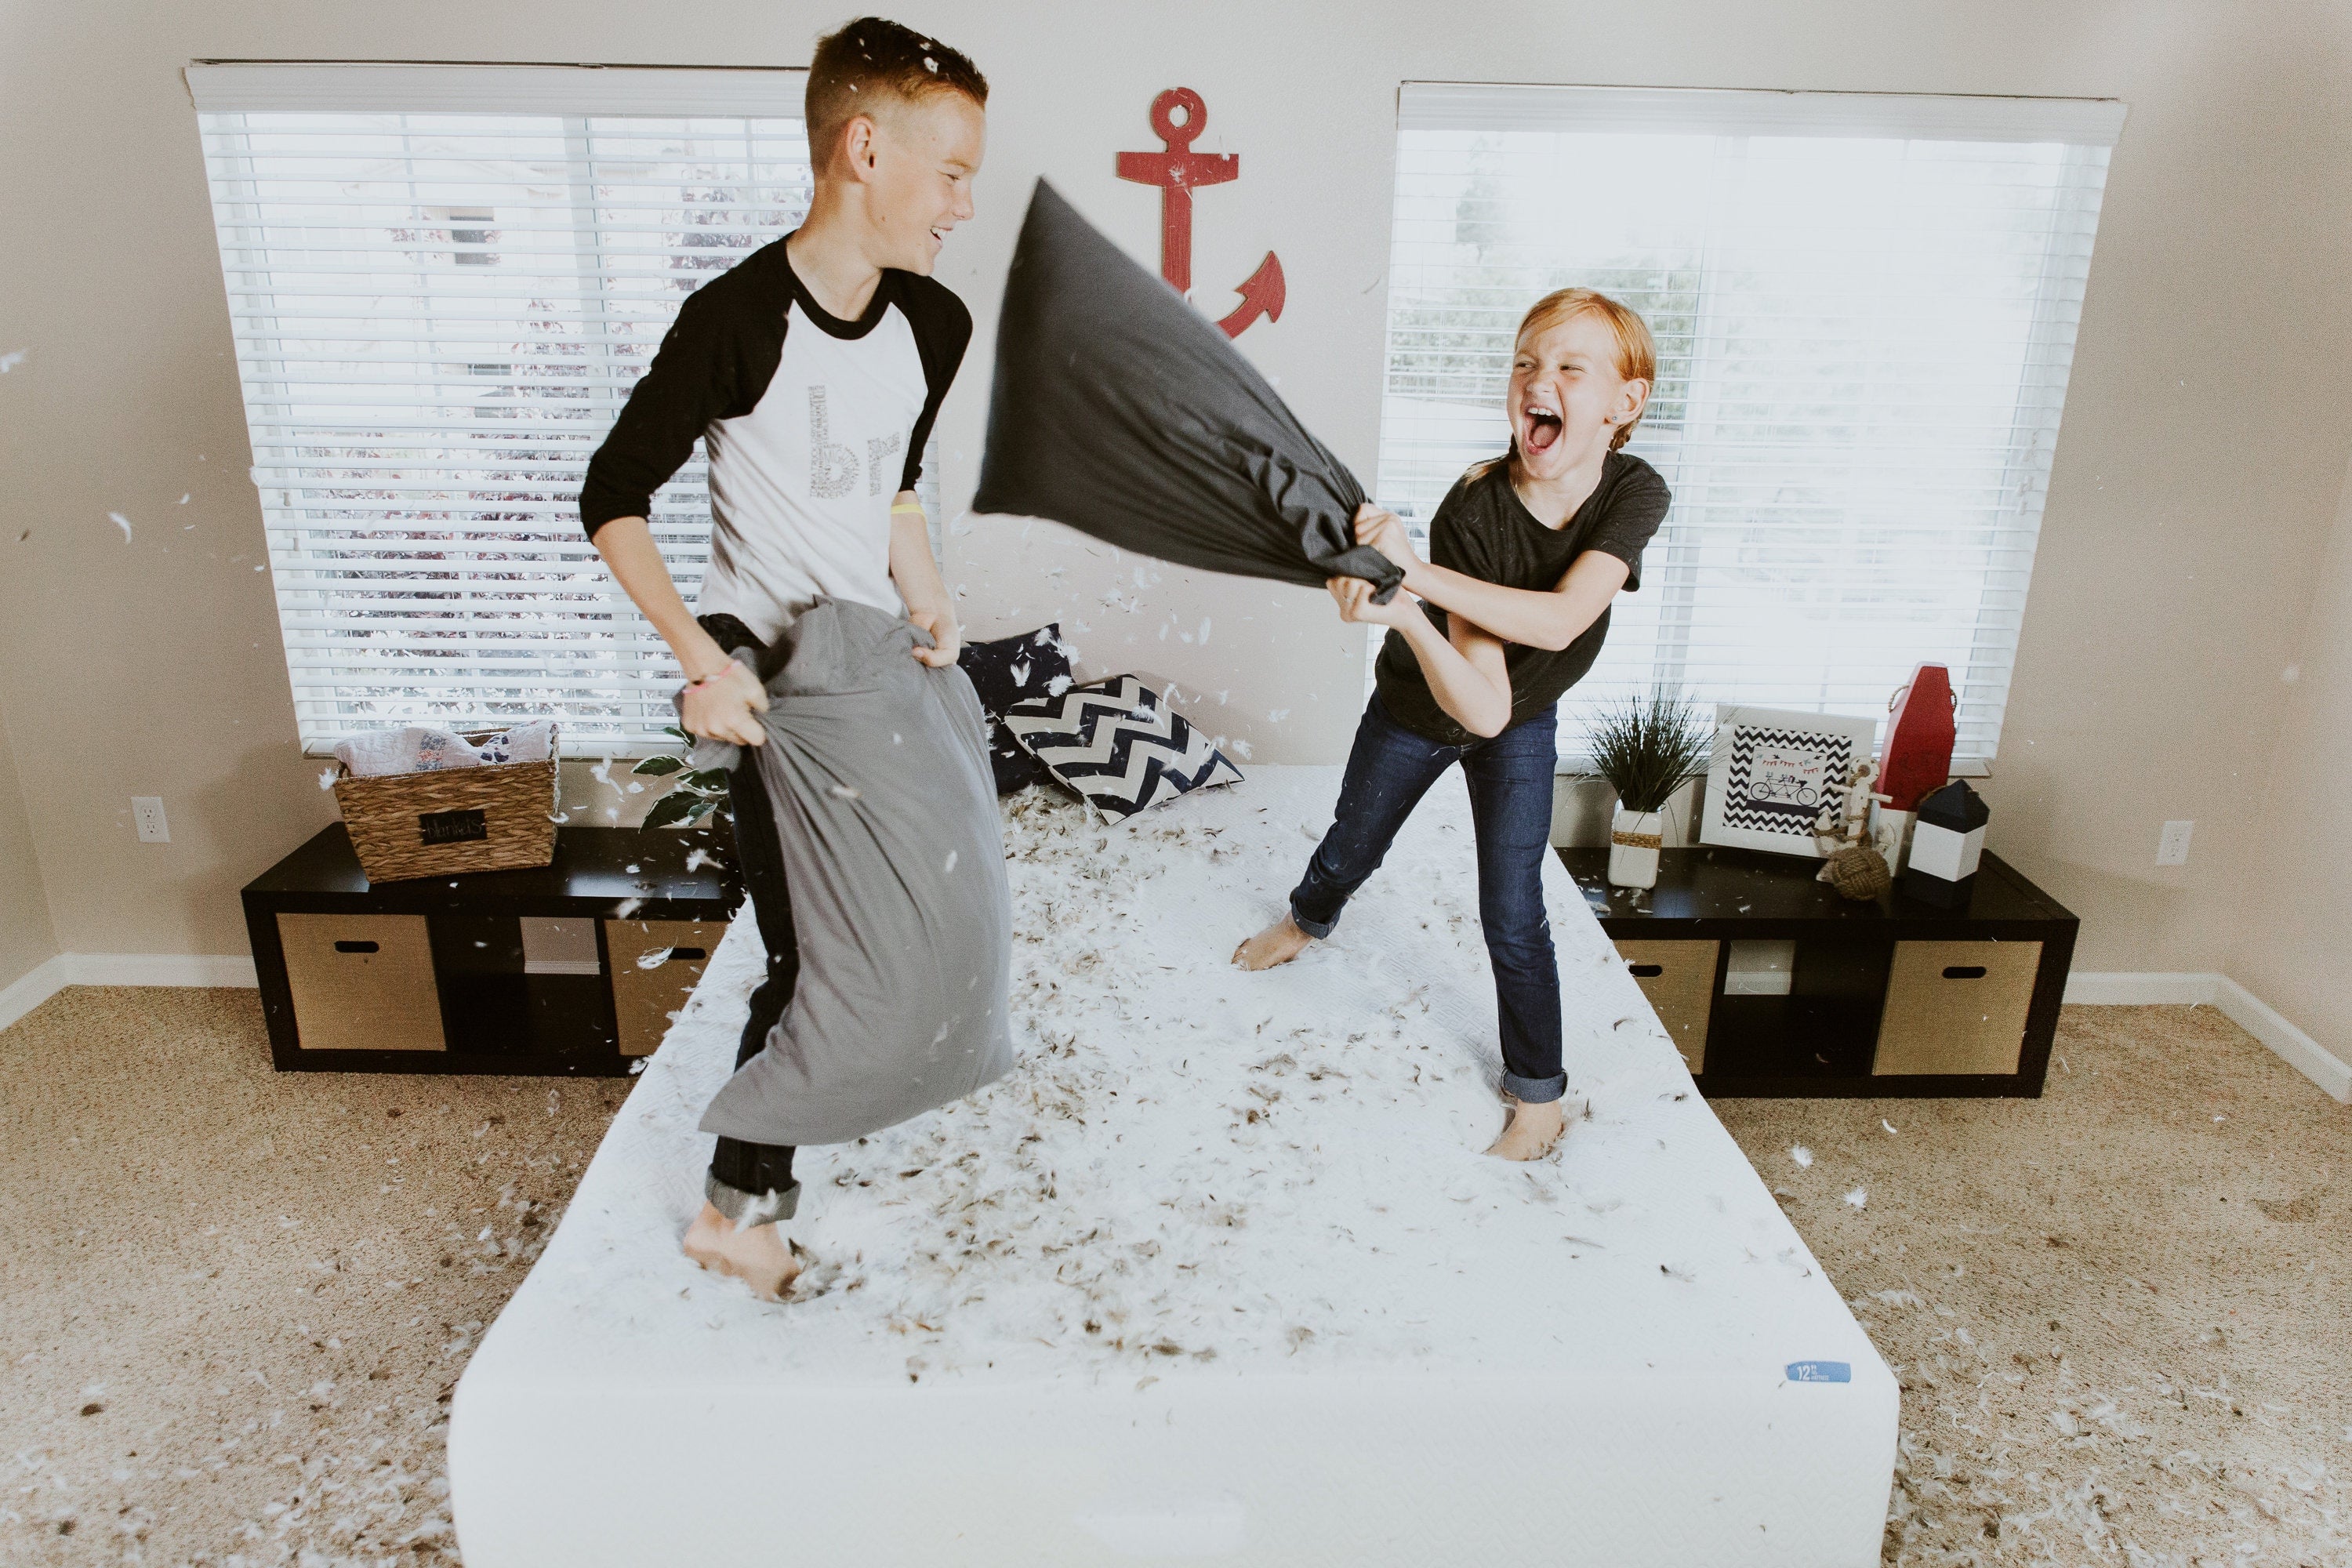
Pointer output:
1821, 1372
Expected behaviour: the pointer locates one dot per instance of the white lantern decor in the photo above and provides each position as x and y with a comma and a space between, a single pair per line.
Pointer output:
1947, 842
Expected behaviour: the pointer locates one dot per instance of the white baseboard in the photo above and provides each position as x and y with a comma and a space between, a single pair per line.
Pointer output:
45, 980
55, 975
2235, 1003
159, 969
2266, 1023
2131, 989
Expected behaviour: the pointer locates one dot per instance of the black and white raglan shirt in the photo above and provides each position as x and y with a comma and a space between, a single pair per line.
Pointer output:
812, 425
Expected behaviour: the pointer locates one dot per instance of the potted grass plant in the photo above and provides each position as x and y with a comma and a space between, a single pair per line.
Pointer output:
1646, 748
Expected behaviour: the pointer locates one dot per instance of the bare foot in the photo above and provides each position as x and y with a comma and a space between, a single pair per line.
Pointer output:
1532, 1131
1277, 943
757, 1255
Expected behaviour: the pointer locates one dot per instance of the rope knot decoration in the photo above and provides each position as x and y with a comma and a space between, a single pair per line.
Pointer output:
1855, 869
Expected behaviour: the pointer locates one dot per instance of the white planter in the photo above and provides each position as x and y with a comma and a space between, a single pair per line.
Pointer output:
1633, 840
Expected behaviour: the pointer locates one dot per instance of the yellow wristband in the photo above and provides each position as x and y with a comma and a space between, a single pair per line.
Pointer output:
907, 506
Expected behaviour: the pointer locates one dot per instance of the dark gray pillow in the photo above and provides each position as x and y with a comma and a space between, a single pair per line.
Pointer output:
1006, 670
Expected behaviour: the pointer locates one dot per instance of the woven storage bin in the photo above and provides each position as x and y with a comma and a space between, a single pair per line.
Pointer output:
494, 818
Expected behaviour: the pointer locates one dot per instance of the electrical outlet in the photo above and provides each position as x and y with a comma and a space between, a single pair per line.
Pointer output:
147, 814
2172, 844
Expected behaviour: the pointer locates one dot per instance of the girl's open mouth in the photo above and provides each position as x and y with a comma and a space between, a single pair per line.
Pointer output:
1543, 429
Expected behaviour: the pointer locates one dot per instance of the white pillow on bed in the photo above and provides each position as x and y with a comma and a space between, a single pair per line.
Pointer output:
1118, 745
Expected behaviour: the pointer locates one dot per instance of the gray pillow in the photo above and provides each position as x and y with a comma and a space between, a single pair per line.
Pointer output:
875, 766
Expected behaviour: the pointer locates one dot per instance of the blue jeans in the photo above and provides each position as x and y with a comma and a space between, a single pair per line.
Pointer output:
1510, 779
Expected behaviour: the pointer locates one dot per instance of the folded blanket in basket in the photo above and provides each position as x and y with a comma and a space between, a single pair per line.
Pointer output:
418, 750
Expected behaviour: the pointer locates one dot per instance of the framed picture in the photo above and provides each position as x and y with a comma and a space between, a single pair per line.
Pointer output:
1773, 771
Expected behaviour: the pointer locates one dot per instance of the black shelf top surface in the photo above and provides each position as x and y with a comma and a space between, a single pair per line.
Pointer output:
606, 866
1710, 884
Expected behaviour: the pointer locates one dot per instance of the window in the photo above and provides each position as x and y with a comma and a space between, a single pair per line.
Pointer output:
444, 281
1866, 308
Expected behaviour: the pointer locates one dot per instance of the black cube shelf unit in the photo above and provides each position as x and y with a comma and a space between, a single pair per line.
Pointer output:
569, 968
1894, 996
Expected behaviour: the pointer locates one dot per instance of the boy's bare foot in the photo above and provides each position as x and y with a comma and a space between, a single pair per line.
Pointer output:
757, 1255
1277, 943
1532, 1131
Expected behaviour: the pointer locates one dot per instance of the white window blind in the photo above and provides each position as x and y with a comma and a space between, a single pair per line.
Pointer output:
444, 281
1866, 308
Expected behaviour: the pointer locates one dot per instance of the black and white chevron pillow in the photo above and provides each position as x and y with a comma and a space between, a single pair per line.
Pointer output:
1118, 745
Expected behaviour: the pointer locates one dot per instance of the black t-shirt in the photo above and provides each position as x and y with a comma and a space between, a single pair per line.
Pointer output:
1483, 530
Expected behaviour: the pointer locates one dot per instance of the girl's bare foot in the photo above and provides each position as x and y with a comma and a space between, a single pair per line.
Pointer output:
757, 1255
1531, 1132
1277, 943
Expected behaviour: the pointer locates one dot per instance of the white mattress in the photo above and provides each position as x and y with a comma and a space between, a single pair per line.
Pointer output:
1218, 1272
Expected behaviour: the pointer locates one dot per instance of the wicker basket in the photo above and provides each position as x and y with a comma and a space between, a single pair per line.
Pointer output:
493, 818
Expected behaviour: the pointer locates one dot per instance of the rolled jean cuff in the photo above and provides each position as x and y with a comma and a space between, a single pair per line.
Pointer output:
1319, 929
1531, 1090
743, 1208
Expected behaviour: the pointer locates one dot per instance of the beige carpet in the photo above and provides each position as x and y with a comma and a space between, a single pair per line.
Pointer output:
233, 1302
2119, 1312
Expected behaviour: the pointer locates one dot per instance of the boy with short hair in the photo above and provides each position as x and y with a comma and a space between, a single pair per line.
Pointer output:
813, 371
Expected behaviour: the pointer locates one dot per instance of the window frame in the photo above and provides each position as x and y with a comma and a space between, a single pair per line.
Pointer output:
618, 662
2085, 128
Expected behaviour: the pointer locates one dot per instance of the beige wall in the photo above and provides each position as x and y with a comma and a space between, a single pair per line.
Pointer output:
26, 938
2199, 472
2295, 914
2196, 475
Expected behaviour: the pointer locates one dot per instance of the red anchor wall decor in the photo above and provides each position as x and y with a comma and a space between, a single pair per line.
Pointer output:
1177, 172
